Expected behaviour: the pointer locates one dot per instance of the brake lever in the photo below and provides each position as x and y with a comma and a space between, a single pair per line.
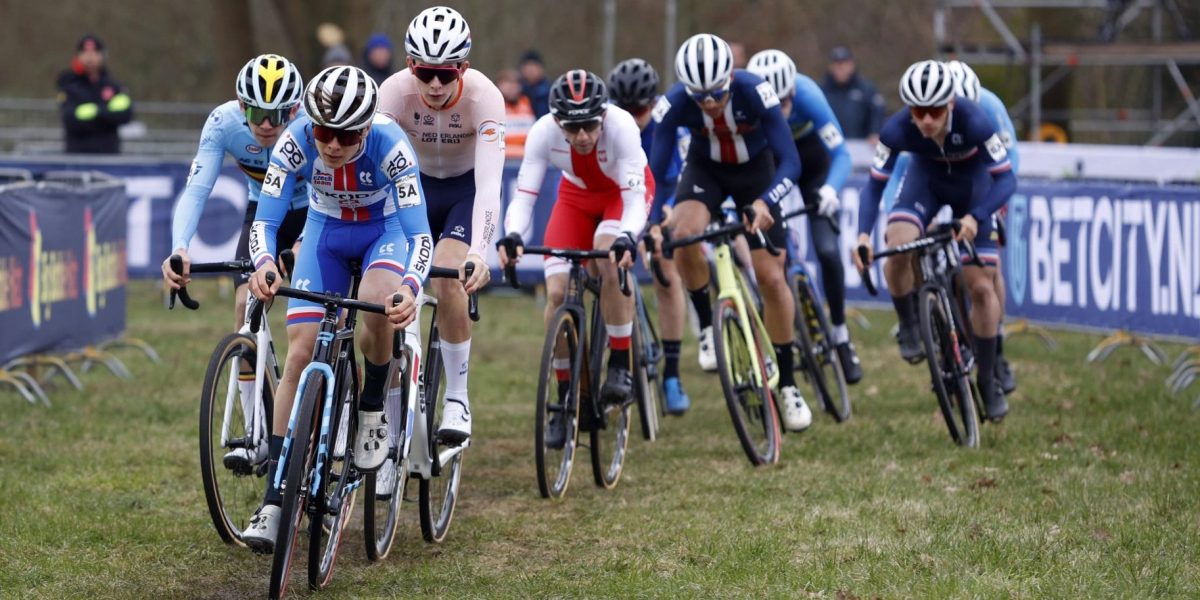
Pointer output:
864, 253
473, 298
177, 266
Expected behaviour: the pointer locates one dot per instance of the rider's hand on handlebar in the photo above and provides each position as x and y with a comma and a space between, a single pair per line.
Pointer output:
968, 227
654, 233
864, 240
170, 277
828, 204
403, 313
621, 252
258, 281
479, 277
502, 251
762, 217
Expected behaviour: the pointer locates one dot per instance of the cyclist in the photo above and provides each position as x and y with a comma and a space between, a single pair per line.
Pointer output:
967, 85
366, 204
602, 201
268, 91
633, 86
454, 117
959, 160
738, 132
825, 164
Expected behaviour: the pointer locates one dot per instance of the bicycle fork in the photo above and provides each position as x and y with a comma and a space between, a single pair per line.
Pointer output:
286, 454
733, 288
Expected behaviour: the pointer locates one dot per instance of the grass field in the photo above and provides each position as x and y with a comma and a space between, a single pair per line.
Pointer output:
1088, 489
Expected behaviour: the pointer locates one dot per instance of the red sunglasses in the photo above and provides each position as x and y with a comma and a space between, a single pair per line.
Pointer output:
445, 75
344, 137
919, 112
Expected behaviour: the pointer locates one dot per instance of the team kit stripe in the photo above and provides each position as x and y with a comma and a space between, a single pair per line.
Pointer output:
903, 215
389, 265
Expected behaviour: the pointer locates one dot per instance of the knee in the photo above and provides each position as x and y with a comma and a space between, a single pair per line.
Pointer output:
554, 297
982, 289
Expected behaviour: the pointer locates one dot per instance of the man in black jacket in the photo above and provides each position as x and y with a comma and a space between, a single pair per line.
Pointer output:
92, 103
856, 103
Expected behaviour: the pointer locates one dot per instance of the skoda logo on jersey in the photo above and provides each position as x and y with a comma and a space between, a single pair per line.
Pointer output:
1016, 250
364, 177
254, 149
956, 139
322, 178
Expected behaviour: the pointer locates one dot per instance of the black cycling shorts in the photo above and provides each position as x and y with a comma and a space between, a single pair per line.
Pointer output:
289, 231
711, 183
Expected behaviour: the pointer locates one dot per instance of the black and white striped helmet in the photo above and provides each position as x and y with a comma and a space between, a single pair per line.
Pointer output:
777, 68
438, 36
633, 83
578, 95
966, 82
269, 81
341, 97
704, 62
927, 83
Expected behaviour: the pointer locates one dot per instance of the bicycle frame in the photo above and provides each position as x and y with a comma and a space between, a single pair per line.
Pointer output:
256, 425
732, 286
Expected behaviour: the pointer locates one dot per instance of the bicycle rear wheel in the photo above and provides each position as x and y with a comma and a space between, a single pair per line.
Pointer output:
555, 457
298, 459
951, 379
437, 496
336, 491
818, 357
751, 405
381, 508
232, 490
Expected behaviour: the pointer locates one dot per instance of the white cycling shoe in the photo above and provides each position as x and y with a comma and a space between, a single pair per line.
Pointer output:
371, 440
707, 353
263, 529
796, 415
455, 427
243, 460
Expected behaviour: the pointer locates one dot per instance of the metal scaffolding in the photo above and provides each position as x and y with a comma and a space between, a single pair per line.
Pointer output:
1051, 63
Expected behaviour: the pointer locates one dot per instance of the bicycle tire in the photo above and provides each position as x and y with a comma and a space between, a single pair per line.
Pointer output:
338, 472
381, 516
814, 340
437, 511
612, 420
747, 402
241, 493
647, 378
951, 380
554, 471
295, 494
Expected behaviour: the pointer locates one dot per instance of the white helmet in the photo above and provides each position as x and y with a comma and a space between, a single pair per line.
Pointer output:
927, 83
704, 62
777, 68
438, 36
341, 97
269, 81
966, 82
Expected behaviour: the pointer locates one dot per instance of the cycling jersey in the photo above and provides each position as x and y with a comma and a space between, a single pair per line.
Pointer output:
811, 115
614, 171
450, 142
225, 132
751, 123
378, 188
682, 139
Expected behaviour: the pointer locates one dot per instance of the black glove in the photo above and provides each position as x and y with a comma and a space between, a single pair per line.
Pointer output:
624, 243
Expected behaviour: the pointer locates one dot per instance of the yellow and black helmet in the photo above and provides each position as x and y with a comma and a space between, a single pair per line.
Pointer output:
270, 81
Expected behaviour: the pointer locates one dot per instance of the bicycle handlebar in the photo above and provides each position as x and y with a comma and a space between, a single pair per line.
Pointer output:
578, 256
243, 265
810, 211
650, 250
941, 235
468, 270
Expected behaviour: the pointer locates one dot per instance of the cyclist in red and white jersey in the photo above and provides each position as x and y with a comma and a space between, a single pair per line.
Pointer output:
603, 201
454, 117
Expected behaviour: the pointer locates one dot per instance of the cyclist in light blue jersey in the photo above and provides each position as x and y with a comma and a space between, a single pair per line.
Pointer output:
825, 164
365, 204
268, 98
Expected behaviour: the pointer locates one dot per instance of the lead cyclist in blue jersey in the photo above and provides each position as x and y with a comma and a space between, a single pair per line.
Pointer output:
824, 166
738, 134
959, 160
366, 204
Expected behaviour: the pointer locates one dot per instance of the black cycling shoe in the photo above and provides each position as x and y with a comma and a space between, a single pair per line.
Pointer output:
555, 436
996, 406
911, 349
618, 386
849, 359
1004, 375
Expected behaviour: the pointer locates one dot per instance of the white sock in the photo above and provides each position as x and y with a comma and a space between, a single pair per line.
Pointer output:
455, 358
840, 334
246, 390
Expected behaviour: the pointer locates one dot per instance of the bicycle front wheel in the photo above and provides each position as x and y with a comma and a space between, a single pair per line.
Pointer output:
233, 486
951, 378
818, 357
747, 393
336, 492
556, 425
437, 495
298, 459
381, 507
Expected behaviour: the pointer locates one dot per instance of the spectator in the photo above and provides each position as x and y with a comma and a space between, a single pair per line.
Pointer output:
92, 103
856, 102
336, 55
533, 82
739, 54
518, 113
377, 57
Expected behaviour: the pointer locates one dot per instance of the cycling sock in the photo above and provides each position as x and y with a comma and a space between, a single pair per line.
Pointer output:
1000, 341
374, 380
906, 309
246, 389
618, 344
985, 355
562, 368
455, 357
273, 495
784, 360
840, 334
703, 307
671, 353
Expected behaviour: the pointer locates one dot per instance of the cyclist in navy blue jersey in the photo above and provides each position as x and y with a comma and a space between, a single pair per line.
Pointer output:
958, 159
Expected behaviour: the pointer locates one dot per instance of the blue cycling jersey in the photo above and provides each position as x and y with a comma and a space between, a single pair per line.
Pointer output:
971, 146
750, 123
682, 139
811, 114
380, 184
225, 132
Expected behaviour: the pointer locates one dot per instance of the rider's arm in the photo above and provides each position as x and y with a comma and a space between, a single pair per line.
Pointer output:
411, 214
489, 168
287, 164
1004, 126
881, 170
662, 149
827, 128
631, 172
779, 139
203, 175
519, 218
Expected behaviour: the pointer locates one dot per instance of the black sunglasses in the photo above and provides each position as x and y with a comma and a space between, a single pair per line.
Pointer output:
445, 75
574, 127
344, 137
278, 116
